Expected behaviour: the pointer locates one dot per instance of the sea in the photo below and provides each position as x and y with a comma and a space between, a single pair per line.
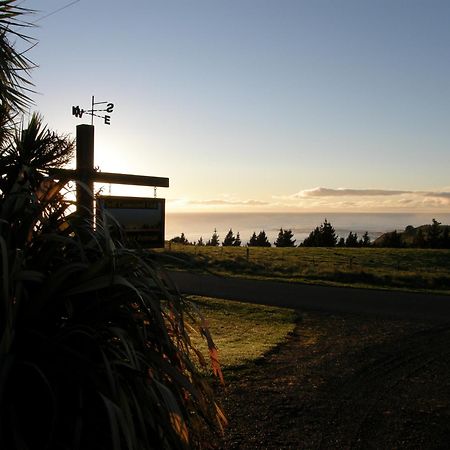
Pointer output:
196, 225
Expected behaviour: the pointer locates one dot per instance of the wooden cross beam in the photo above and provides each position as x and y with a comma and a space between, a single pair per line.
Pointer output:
87, 175
109, 177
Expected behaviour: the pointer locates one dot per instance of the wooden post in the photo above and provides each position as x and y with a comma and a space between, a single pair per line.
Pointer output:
85, 169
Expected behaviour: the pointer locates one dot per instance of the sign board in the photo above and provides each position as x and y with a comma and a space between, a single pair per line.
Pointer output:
142, 219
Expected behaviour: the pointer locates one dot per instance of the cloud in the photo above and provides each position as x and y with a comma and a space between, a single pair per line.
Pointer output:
327, 199
445, 195
228, 202
346, 199
344, 192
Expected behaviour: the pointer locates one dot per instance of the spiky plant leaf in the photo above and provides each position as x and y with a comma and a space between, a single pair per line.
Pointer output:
15, 67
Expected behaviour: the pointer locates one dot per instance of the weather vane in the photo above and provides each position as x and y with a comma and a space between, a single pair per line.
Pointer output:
78, 112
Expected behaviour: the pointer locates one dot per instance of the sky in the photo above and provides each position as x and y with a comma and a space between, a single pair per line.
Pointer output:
258, 105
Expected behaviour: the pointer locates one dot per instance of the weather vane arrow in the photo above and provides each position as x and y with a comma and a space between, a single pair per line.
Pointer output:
93, 112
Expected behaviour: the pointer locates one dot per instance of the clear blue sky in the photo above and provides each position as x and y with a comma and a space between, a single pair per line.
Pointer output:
256, 104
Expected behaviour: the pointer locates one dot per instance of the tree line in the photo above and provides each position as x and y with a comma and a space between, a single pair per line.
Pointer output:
322, 236
435, 235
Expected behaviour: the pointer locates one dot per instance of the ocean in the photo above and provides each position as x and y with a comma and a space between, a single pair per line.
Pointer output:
196, 225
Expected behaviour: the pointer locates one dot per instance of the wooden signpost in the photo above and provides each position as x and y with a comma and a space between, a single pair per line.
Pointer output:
85, 174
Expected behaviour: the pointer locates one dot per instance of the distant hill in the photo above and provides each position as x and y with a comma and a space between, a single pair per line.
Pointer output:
420, 236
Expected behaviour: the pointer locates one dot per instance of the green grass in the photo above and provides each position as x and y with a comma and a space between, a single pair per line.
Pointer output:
243, 332
408, 269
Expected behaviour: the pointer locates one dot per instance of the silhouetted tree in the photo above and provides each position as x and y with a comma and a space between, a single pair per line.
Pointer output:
365, 241
229, 239
237, 242
329, 237
392, 239
253, 241
314, 239
180, 240
433, 235
352, 240
323, 236
214, 241
200, 242
280, 239
410, 229
341, 242
419, 240
445, 238
285, 239
260, 240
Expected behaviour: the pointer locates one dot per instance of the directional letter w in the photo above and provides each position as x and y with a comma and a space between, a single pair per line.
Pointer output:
77, 112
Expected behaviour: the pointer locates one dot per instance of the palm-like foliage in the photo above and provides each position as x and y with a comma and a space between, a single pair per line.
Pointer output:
14, 64
33, 148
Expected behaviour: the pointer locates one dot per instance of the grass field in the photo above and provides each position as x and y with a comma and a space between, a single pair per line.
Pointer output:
243, 332
409, 269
